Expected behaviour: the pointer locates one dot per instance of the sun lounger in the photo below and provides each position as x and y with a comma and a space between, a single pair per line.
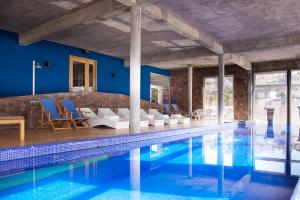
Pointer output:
167, 108
76, 117
168, 120
176, 108
105, 117
125, 113
176, 114
154, 121
181, 119
52, 116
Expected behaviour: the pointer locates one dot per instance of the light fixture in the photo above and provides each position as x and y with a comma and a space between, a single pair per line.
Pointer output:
85, 51
38, 66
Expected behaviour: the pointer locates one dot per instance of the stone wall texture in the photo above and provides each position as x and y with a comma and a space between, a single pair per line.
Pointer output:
21, 105
275, 66
179, 88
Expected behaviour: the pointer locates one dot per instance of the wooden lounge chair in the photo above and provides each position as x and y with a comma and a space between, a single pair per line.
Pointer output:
77, 119
52, 116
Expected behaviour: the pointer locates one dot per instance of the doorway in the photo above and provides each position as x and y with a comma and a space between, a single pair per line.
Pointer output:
159, 88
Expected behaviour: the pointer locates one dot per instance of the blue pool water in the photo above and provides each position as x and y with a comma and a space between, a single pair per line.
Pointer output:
234, 164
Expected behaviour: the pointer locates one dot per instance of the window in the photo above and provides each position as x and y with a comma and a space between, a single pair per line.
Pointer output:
295, 99
82, 74
211, 96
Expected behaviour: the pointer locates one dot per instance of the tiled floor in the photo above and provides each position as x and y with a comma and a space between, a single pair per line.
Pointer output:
9, 137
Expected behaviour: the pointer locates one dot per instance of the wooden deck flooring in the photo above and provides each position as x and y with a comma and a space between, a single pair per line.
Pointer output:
9, 137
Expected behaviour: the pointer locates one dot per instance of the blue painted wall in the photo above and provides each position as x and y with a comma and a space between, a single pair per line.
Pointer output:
16, 69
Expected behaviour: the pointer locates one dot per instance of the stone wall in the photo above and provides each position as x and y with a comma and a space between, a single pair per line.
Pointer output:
179, 88
22, 105
275, 66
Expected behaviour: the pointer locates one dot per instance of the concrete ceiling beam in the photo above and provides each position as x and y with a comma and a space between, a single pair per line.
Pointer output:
262, 44
128, 3
101, 9
182, 27
171, 57
241, 61
131, 3
194, 56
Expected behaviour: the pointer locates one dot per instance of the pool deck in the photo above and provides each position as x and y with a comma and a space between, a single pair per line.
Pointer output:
10, 138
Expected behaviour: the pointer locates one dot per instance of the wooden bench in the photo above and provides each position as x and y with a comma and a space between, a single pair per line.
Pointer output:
15, 120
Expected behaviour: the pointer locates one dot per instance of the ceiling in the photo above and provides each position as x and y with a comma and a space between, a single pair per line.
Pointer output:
258, 30
232, 20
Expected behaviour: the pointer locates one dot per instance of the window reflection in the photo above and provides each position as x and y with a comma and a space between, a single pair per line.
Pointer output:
135, 174
210, 143
269, 153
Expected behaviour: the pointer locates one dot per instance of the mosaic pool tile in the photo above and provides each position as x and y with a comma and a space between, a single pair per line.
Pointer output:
13, 153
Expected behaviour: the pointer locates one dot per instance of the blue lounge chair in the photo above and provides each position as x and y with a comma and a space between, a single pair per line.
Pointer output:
75, 115
52, 116
176, 108
167, 108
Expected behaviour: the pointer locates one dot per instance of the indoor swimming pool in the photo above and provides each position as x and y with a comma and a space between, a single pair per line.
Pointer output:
245, 163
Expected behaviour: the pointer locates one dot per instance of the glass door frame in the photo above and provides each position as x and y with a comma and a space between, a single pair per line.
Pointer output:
86, 62
288, 72
254, 89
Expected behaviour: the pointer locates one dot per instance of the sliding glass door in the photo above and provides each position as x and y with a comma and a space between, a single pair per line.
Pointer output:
270, 98
295, 122
270, 114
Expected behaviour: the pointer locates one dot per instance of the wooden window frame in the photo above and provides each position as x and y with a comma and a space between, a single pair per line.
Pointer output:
86, 62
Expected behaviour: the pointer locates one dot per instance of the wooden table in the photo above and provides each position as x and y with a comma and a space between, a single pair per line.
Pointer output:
15, 120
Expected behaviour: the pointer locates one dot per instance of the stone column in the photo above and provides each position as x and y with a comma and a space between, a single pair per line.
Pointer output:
135, 69
190, 89
221, 89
